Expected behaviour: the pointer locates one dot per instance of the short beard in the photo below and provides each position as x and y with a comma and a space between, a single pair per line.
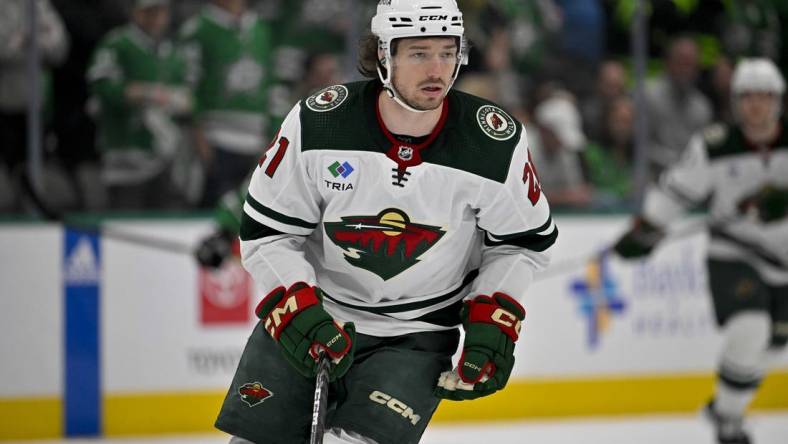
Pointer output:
410, 102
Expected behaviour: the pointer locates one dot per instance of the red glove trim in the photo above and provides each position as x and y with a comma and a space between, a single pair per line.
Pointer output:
285, 310
317, 346
487, 310
487, 370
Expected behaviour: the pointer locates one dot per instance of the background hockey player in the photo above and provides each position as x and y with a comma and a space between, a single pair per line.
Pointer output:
384, 215
743, 173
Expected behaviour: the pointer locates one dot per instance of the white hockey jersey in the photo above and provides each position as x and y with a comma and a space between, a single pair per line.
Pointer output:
724, 171
396, 231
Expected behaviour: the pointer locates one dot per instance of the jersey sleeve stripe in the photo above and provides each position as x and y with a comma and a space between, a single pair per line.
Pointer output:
253, 230
279, 217
677, 193
527, 240
539, 230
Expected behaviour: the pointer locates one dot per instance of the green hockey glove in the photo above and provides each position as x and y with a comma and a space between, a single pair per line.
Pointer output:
639, 241
217, 247
772, 204
296, 320
492, 326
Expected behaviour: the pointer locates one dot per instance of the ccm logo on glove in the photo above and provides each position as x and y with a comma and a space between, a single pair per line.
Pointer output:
284, 311
492, 325
295, 318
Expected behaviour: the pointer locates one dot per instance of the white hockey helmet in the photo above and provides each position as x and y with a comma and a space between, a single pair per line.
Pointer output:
757, 74
396, 19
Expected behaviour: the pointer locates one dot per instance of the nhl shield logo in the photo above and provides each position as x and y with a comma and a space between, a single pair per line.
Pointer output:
327, 98
495, 122
253, 393
405, 153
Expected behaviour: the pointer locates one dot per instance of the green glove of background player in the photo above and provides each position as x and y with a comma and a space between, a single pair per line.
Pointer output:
492, 326
639, 241
295, 318
772, 203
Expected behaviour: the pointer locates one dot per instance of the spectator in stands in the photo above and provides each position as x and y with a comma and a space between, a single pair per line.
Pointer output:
15, 83
608, 160
137, 81
556, 139
676, 108
86, 21
580, 44
497, 81
321, 69
717, 87
611, 83
228, 52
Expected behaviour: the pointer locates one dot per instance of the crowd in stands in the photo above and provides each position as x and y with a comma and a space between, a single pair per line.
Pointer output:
166, 105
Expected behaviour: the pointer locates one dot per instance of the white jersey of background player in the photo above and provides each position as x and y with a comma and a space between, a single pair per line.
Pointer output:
402, 210
741, 174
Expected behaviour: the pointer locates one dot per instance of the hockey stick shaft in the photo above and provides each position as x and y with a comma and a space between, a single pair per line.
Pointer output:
572, 264
139, 239
49, 213
320, 403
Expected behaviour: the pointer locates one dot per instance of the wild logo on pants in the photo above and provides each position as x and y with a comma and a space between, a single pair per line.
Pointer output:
254, 393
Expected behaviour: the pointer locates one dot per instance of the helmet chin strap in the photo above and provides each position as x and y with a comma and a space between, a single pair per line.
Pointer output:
392, 92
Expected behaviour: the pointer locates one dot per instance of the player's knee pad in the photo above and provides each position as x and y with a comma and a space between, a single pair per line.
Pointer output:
747, 336
342, 436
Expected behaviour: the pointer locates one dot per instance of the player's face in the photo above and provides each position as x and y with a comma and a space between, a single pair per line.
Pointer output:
757, 109
423, 69
153, 20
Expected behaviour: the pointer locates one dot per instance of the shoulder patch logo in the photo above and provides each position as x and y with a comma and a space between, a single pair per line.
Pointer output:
253, 393
715, 134
327, 99
495, 122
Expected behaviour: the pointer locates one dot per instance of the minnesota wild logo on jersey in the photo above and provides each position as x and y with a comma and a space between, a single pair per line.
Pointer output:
386, 244
327, 98
495, 122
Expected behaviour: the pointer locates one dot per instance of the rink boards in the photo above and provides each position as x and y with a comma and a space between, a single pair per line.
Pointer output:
104, 336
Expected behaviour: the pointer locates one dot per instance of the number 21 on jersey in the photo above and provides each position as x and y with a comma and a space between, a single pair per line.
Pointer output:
531, 180
277, 159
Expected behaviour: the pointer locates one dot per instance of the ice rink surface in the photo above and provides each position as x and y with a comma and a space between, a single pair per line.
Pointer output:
767, 428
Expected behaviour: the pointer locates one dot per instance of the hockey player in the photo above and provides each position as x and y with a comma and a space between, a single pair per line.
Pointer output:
384, 215
743, 173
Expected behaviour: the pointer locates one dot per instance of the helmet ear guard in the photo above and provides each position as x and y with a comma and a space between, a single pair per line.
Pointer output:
397, 19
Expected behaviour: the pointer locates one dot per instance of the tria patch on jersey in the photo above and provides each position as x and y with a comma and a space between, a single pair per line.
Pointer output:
495, 122
327, 99
386, 244
340, 173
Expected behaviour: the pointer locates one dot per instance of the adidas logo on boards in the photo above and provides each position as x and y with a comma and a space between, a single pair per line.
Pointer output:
81, 266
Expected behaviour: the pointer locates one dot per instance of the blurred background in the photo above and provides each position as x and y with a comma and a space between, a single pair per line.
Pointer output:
128, 127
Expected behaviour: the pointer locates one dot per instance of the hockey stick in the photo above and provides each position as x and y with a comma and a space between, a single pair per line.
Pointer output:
321, 399
50, 214
114, 233
571, 264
